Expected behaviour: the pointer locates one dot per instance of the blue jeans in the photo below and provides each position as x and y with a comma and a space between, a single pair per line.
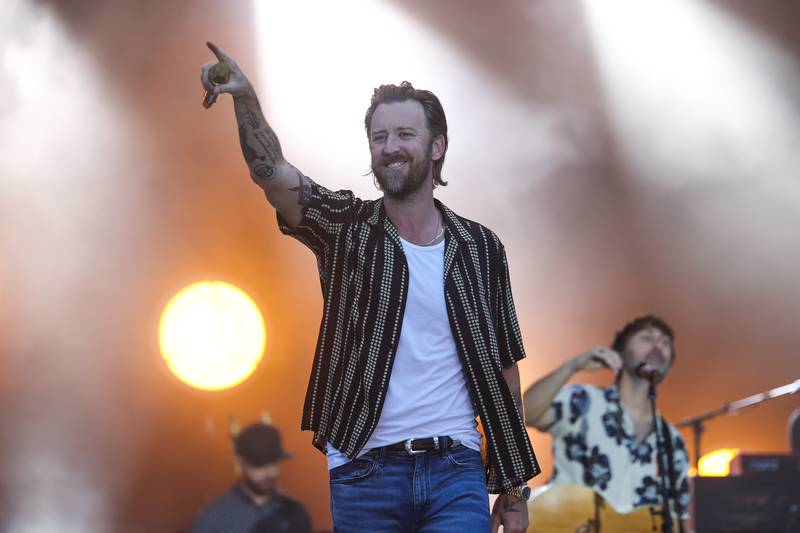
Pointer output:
391, 491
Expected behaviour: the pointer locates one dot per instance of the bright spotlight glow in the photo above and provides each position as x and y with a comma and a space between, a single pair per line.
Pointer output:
71, 174
320, 62
212, 335
691, 90
717, 463
704, 111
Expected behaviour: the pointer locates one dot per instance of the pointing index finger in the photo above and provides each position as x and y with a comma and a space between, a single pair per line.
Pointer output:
222, 56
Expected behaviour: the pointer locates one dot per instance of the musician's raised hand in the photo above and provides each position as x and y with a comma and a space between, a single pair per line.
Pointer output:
596, 358
236, 85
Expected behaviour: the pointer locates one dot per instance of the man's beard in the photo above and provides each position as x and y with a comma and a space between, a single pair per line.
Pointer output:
401, 184
654, 359
262, 489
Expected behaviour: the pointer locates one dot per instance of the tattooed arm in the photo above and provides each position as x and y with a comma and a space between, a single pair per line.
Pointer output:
285, 187
511, 513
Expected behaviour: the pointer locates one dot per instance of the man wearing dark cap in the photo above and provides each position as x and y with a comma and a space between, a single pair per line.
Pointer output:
254, 504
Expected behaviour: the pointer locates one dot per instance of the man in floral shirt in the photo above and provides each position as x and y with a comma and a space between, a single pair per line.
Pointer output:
603, 438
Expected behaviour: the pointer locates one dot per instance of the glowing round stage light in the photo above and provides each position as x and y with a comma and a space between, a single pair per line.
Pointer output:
717, 463
211, 335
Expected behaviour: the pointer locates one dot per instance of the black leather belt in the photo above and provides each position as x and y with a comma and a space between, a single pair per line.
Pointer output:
415, 446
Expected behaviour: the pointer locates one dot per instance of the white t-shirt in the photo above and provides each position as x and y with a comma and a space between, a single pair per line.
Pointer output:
427, 394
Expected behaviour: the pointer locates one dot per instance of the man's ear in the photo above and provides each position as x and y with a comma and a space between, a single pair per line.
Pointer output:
437, 151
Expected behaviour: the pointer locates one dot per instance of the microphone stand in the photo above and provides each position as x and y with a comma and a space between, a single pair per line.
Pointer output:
663, 470
697, 423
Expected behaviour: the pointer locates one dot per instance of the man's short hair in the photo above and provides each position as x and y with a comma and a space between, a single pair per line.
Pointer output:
434, 115
638, 324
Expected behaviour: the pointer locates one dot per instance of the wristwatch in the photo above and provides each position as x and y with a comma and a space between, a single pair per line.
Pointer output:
522, 492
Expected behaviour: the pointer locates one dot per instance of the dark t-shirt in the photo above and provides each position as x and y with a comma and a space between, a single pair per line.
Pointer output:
235, 512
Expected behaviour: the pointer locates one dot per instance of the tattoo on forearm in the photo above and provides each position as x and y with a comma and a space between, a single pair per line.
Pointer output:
248, 115
268, 142
510, 504
303, 189
254, 129
249, 152
265, 172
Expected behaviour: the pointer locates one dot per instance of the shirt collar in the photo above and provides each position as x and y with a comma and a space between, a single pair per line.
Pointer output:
611, 394
454, 226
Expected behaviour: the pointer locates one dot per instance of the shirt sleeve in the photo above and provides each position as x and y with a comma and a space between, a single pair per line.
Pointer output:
324, 216
569, 407
509, 335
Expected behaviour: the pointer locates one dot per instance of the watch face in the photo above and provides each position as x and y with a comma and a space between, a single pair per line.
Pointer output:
526, 492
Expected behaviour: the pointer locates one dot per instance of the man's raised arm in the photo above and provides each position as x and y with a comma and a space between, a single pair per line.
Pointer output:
287, 189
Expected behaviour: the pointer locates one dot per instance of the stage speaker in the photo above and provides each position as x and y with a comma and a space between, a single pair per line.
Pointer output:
757, 503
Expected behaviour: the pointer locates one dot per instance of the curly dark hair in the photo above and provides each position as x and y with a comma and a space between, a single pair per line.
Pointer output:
434, 115
638, 324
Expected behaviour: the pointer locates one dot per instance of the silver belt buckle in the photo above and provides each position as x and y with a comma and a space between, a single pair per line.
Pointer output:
411, 451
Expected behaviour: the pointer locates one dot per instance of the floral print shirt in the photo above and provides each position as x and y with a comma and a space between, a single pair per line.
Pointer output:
594, 445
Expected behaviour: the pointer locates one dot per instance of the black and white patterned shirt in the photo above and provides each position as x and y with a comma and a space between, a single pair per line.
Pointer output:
364, 278
594, 445
235, 512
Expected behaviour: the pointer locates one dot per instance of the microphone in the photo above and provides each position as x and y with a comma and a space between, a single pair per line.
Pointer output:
219, 74
645, 371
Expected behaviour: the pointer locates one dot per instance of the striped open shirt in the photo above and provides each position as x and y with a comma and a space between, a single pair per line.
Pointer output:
364, 278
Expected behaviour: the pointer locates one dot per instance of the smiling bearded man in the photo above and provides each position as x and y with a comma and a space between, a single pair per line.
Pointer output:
419, 333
